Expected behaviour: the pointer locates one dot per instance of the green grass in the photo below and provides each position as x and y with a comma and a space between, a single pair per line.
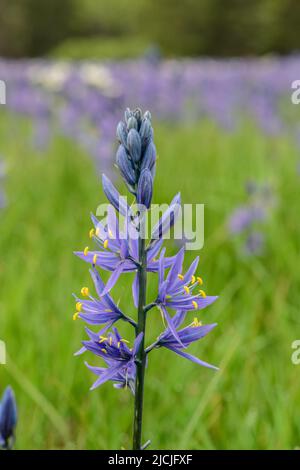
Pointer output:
252, 401
122, 47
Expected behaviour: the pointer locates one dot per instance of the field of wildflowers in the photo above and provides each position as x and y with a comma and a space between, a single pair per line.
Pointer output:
226, 135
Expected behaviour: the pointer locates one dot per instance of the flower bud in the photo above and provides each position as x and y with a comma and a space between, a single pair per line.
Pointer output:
138, 115
146, 132
8, 418
145, 188
122, 133
114, 197
149, 157
127, 114
132, 123
147, 115
125, 166
134, 145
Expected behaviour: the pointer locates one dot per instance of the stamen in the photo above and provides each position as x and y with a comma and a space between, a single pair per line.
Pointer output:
162, 316
102, 339
124, 341
180, 276
168, 296
195, 305
200, 280
75, 316
86, 250
193, 280
91, 232
105, 243
196, 322
78, 306
97, 231
202, 293
118, 344
110, 233
85, 291
95, 259
104, 350
187, 289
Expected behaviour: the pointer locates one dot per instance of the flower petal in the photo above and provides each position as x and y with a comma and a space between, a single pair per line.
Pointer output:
171, 325
192, 358
135, 290
113, 278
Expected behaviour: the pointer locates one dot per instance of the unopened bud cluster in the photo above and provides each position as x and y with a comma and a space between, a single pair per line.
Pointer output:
136, 155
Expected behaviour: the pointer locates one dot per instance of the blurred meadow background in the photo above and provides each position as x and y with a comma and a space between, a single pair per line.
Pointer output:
217, 78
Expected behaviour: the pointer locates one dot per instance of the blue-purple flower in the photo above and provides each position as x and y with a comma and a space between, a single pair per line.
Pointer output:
187, 335
180, 291
245, 218
118, 250
8, 419
98, 311
119, 358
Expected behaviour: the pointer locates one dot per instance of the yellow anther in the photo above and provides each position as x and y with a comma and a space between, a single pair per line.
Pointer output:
85, 291
86, 250
110, 340
104, 350
180, 276
102, 339
187, 289
196, 322
95, 259
124, 341
202, 293
195, 305
168, 296
118, 344
110, 233
200, 280
193, 280
105, 243
75, 316
97, 231
78, 306
91, 232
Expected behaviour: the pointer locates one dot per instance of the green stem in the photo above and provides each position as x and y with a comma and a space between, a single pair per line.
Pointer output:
141, 356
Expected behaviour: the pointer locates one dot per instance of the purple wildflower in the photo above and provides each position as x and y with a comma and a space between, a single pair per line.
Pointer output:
100, 311
187, 335
118, 250
119, 358
125, 250
8, 419
244, 216
180, 291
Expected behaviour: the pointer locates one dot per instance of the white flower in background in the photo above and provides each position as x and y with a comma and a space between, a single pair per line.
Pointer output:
51, 76
98, 76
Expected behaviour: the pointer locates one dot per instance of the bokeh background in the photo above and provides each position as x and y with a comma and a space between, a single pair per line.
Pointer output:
217, 78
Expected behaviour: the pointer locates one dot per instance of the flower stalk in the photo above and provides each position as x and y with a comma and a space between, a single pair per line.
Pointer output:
141, 356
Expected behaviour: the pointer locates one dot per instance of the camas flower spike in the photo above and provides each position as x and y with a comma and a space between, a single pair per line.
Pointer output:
121, 251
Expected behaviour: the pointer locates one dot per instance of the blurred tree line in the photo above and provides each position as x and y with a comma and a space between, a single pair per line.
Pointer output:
177, 27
